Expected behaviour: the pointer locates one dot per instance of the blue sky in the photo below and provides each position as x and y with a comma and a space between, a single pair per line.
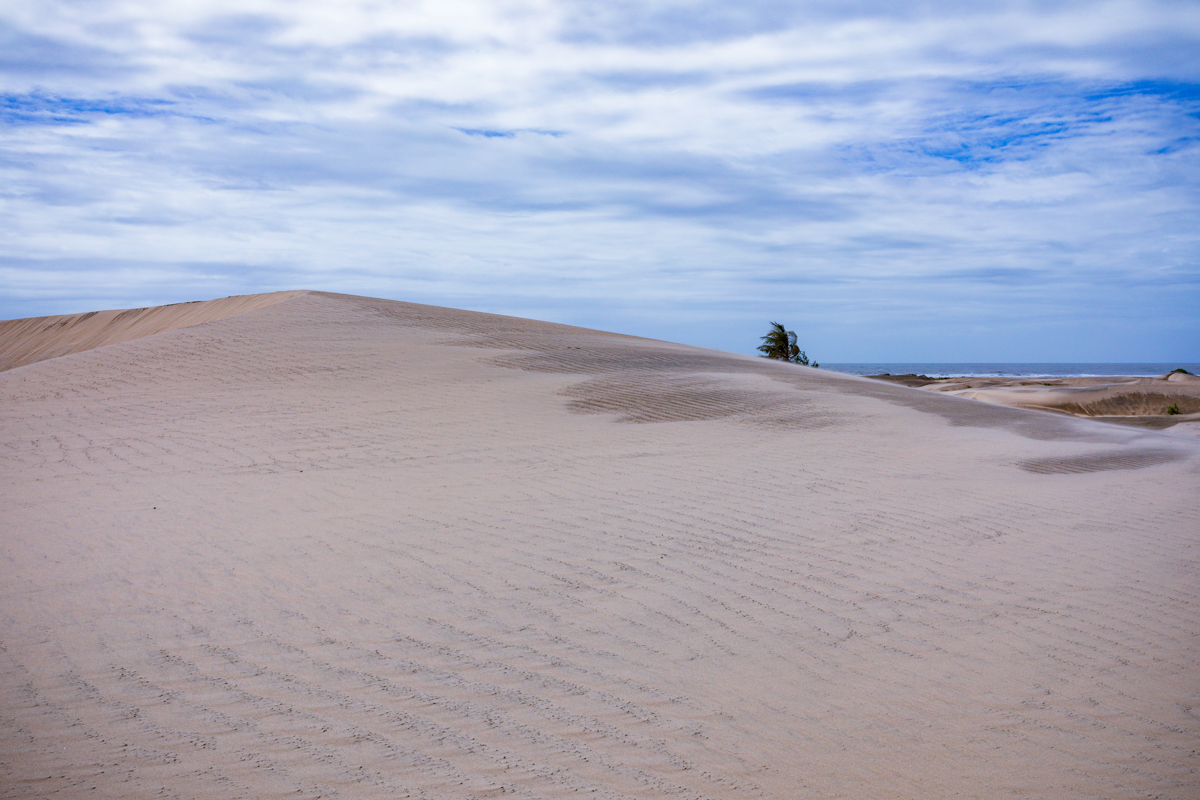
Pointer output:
999, 182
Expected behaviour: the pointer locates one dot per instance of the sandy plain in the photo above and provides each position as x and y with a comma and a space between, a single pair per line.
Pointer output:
1158, 402
343, 547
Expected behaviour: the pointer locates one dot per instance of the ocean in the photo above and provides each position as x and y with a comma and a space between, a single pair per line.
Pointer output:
979, 370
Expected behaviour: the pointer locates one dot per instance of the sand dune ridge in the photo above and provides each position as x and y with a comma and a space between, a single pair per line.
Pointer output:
27, 341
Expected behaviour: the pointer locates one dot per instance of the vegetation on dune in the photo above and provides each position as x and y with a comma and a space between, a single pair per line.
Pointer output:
780, 344
1179, 369
1139, 404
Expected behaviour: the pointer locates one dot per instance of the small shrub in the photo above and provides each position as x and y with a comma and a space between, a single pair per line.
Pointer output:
1179, 369
1173, 408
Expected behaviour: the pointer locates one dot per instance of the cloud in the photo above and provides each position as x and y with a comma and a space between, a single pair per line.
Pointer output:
859, 164
34, 56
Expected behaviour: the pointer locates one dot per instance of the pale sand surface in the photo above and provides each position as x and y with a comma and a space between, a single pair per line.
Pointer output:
27, 341
344, 547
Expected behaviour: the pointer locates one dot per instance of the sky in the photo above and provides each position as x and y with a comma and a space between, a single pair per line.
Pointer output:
924, 181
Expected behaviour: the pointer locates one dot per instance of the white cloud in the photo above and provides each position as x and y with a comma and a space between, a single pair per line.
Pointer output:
844, 162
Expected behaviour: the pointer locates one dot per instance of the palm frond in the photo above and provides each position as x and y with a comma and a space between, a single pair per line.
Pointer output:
781, 344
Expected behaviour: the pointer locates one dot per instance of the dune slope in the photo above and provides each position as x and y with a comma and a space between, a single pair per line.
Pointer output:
27, 341
343, 547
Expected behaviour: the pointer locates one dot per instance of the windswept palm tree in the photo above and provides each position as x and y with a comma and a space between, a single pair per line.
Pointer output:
780, 343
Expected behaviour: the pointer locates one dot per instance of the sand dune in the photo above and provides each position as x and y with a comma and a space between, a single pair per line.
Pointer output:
1088, 397
343, 547
27, 341
1165, 401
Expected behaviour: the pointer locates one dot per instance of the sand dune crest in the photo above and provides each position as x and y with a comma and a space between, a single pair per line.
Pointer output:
27, 341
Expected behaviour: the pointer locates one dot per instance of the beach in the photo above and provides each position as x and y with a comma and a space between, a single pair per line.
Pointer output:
336, 546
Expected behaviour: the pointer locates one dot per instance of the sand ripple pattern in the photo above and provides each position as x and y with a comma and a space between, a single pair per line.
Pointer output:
340, 547
1097, 462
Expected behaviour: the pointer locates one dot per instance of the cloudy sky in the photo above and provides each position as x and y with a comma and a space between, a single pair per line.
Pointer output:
992, 182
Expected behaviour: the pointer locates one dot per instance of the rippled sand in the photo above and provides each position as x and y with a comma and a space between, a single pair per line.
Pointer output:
337, 546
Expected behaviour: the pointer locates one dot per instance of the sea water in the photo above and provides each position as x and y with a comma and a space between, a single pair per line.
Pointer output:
941, 370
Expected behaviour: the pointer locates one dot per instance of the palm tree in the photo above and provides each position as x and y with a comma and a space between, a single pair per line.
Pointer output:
780, 343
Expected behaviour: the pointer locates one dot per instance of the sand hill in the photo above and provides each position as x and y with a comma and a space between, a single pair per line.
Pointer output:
343, 547
27, 341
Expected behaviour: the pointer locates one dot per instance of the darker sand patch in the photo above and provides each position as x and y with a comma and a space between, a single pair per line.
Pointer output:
1101, 462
